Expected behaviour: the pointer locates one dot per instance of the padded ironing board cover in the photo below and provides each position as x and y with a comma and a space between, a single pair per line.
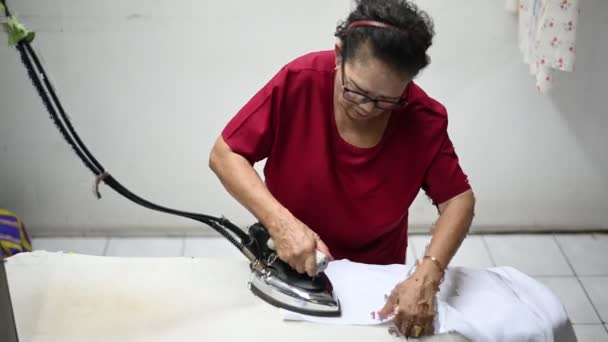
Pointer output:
72, 297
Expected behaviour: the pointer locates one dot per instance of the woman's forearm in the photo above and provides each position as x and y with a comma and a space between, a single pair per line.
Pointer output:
450, 229
242, 181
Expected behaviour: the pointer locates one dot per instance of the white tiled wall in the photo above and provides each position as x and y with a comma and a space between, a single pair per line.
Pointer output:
532, 254
90, 246
146, 247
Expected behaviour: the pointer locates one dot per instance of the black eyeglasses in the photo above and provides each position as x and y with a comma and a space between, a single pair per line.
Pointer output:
360, 98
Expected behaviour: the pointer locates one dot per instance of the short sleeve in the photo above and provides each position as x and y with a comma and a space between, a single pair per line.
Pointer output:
250, 132
445, 178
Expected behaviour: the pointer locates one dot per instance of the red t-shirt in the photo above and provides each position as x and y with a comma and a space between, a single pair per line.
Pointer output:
356, 199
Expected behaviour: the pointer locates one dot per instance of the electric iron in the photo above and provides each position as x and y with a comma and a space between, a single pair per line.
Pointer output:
277, 283
272, 280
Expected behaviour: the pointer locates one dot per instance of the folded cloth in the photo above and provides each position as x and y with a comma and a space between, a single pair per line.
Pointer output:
494, 304
14, 236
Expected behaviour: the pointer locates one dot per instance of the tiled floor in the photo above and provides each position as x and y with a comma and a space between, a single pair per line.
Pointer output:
574, 266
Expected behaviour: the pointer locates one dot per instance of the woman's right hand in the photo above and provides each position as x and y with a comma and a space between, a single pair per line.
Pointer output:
297, 244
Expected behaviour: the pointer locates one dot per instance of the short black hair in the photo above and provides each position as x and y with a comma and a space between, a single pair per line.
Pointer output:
404, 49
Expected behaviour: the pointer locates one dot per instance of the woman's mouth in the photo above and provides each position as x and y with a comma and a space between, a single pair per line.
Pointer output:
361, 114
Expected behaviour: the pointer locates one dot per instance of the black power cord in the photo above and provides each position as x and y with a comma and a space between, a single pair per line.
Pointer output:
51, 101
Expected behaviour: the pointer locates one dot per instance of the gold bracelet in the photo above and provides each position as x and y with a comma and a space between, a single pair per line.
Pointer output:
436, 262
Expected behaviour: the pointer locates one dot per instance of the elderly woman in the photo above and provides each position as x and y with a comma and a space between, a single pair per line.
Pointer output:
349, 141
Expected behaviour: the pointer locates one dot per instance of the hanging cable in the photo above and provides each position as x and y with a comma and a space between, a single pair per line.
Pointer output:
44, 87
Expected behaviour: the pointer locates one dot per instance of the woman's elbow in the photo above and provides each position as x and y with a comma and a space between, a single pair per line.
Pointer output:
470, 196
218, 152
469, 205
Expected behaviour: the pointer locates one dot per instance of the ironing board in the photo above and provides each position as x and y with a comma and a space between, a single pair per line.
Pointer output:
71, 297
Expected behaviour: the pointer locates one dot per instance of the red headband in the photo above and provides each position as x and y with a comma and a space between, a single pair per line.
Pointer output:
371, 23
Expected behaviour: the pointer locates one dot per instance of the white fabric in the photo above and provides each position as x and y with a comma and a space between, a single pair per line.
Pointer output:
547, 36
495, 304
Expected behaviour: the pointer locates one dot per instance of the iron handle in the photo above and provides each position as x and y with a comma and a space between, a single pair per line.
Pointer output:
322, 258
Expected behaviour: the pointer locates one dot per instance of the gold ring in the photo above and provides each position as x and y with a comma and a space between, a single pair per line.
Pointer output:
417, 330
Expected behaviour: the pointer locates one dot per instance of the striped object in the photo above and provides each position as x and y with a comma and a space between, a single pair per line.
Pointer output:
14, 237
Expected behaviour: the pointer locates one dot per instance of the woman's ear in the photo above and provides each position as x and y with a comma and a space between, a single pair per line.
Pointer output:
338, 52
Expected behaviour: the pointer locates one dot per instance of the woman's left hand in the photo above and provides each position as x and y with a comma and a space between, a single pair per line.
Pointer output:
412, 302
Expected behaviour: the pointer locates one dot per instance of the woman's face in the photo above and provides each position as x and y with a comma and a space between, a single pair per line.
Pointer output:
368, 88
